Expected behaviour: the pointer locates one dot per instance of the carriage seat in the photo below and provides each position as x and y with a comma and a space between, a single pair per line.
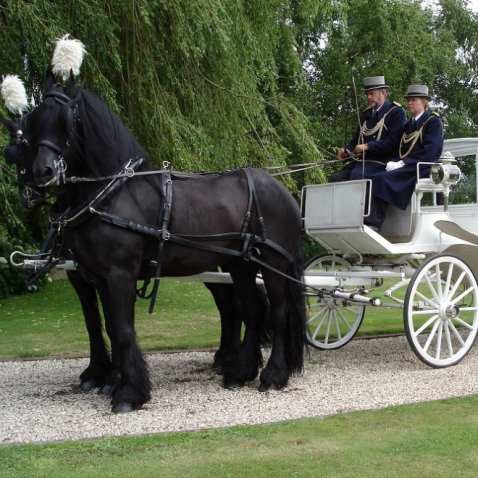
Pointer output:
399, 225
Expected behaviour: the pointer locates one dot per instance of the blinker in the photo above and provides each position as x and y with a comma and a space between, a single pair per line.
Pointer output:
13, 155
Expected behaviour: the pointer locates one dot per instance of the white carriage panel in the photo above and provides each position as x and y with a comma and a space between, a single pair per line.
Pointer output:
465, 215
334, 205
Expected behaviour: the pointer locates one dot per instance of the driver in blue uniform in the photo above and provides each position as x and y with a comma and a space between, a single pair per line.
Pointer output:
377, 137
421, 141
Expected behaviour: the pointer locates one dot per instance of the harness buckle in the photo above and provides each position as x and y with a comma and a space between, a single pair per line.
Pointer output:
27, 192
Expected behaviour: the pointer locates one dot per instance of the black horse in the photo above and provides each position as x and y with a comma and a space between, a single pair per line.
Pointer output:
243, 219
100, 371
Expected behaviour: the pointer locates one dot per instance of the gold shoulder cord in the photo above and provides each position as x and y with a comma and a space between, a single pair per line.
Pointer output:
378, 127
411, 138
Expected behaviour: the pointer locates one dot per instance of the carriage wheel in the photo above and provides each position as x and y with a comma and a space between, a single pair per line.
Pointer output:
441, 310
331, 322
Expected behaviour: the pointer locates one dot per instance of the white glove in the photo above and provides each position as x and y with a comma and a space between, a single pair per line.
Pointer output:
392, 165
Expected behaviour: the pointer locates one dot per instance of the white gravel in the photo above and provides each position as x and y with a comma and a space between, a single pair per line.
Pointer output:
41, 401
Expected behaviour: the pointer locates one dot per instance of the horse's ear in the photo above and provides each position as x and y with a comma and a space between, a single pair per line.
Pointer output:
70, 87
50, 80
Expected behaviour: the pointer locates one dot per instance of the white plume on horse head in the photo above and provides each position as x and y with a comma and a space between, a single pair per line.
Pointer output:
14, 94
68, 55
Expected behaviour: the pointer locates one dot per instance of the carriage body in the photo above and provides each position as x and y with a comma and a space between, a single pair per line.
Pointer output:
431, 271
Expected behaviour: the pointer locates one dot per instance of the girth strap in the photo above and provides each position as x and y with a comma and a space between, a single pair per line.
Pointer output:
162, 235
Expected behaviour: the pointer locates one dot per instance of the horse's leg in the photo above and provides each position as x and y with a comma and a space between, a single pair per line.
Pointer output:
276, 373
100, 364
112, 380
288, 320
134, 388
230, 311
244, 365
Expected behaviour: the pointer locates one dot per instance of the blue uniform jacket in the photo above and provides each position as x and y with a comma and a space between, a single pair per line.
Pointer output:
381, 149
396, 187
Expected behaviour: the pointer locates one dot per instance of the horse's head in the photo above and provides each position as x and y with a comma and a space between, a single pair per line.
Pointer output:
19, 154
49, 130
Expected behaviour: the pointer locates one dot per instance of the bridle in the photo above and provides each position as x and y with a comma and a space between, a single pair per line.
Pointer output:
60, 164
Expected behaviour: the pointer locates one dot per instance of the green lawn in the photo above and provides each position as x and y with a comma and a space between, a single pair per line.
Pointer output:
436, 439
185, 316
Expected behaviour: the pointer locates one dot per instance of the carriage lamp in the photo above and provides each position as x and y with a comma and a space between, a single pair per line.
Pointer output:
445, 174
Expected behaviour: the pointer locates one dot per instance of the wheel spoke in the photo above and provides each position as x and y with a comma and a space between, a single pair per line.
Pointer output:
339, 335
448, 340
457, 284
319, 325
438, 346
426, 324
438, 282
448, 279
327, 330
463, 294
464, 323
317, 314
427, 300
431, 289
431, 336
344, 320
456, 334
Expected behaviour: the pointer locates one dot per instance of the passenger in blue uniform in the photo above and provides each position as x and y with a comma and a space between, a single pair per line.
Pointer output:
422, 141
378, 136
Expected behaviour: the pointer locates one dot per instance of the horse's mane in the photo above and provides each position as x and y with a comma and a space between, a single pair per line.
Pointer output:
106, 142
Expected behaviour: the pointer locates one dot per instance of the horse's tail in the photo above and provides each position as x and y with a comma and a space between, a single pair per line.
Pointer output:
295, 337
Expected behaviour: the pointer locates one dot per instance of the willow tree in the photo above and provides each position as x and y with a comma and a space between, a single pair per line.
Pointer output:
203, 84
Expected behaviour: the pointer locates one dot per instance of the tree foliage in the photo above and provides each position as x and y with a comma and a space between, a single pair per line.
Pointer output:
213, 84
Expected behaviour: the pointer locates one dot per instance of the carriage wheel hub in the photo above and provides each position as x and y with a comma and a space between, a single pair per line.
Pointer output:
450, 311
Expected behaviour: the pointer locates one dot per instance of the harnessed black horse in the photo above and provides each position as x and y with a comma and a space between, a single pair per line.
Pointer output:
100, 372
128, 217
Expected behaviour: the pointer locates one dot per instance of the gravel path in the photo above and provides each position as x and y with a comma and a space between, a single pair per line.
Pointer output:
41, 401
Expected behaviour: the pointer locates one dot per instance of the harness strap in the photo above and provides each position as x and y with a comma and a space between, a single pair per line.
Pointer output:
253, 197
168, 195
51, 145
195, 240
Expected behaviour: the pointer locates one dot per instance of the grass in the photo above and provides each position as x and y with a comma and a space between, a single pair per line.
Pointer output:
51, 322
185, 316
436, 439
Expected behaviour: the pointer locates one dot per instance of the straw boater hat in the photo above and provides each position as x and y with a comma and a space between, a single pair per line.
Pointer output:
418, 91
374, 83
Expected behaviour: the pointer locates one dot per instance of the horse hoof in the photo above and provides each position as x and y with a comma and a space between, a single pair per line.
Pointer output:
88, 385
267, 388
123, 407
106, 389
232, 385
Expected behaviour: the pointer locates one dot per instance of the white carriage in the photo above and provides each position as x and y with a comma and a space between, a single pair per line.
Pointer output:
426, 254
